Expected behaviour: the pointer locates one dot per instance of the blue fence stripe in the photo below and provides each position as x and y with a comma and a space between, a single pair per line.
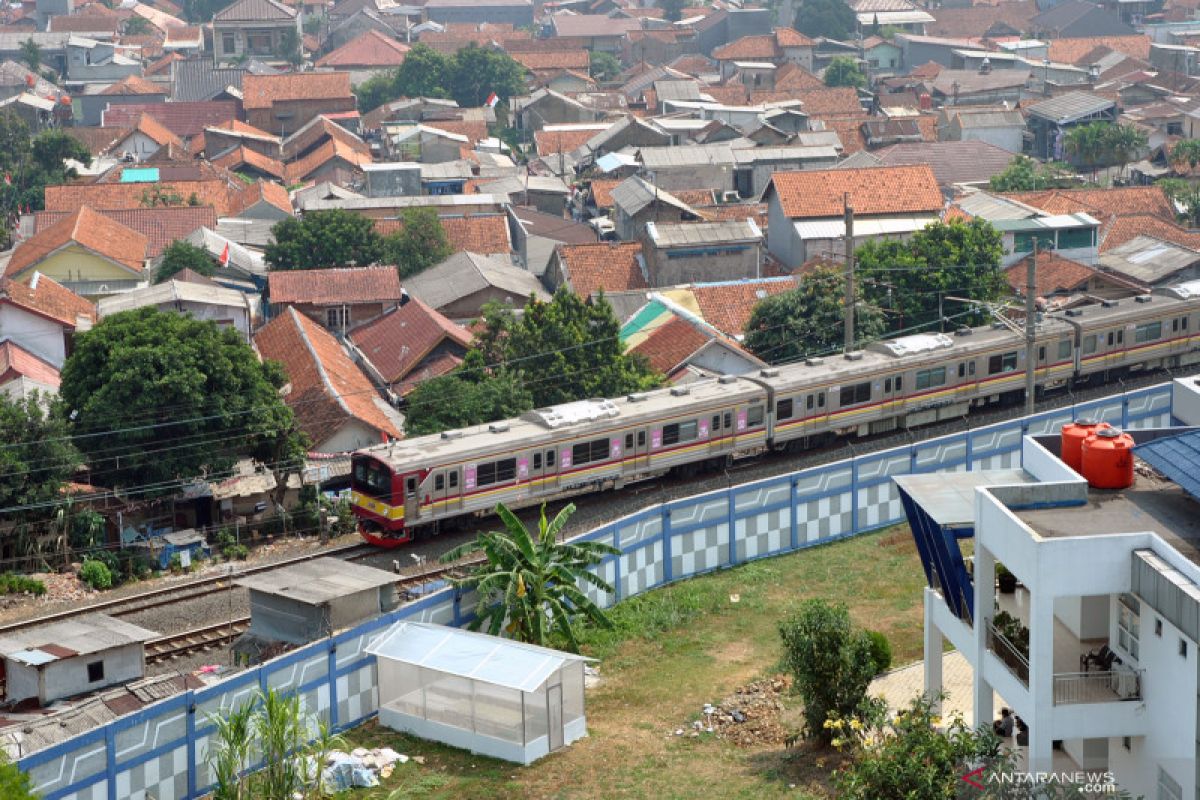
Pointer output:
829, 482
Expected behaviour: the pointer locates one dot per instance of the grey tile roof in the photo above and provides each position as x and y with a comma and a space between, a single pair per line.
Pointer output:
198, 79
633, 194
465, 273
255, 11
1148, 260
952, 162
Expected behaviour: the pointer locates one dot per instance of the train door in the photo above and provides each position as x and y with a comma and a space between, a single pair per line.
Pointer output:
709, 426
641, 449
893, 389
550, 468
438, 497
453, 489
412, 504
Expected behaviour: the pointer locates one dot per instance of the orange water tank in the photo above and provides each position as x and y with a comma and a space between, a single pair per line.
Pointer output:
1073, 434
1108, 459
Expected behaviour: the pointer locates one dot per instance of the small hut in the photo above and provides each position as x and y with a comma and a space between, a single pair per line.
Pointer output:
485, 694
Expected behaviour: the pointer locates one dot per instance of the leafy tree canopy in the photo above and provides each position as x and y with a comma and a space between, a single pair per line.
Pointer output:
38, 457
830, 18
531, 580
471, 395
33, 162
808, 320
324, 239
174, 398
31, 54
1186, 152
479, 71
181, 255
469, 76
603, 66
14, 784
673, 9
844, 71
1025, 174
289, 48
419, 244
919, 281
1100, 143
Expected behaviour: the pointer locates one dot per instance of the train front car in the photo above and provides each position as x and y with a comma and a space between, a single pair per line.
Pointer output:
375, 489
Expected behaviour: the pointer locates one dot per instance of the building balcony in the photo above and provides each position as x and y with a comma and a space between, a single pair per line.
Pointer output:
1098, 686
1009, 654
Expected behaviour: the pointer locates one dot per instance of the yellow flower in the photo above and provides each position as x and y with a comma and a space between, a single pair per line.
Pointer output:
855, 725
935, 721
870, 740
828, 724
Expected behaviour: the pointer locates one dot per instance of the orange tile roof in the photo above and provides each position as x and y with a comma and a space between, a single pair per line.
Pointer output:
327, 389
268, 192
671, 344
243, 156
263, 91
401, 339
49, 299
1070, 51
473, 129
838, 101
789, 37
1120, 230
134, 84
157, 132
554, 59
603, 266
1054, 274
728, 306
68, 197
695, 197
371, 49
561, 141
795, 77
325, 287
908, 189
759, 212
88, 229
301, 169
1103, 202
160, 225
486, 234
17, 362
602, 193
761, 47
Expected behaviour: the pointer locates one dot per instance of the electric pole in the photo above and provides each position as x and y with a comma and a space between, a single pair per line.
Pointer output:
1030, 330
849, 220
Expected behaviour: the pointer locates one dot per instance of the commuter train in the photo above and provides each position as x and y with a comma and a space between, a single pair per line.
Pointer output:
416, 485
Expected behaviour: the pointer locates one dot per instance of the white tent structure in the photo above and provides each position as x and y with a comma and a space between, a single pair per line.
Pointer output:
489, 695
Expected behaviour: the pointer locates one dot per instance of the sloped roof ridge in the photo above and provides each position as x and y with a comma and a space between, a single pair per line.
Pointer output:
299, 321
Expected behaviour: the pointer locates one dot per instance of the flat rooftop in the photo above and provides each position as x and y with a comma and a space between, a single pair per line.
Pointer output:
1151, 504
319, 581
85, 635
951, 503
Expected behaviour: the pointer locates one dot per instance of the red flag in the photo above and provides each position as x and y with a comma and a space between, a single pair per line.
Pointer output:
8, 179
492, 99
225, 256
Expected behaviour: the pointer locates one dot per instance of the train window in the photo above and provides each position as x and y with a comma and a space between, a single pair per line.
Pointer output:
410, 487
372, 480
1147, 332
496, 472
716, 423
858, 393
783, 409
887, 385
439, 482
1111, 338
641, 439
550, 463
1089, 344
1006, 362
1064, 348
454, 479
899, 383
537, 460
1183, 323
1121, 336
927, 378
629, 441
821, 400
727, 420
585, 452
754, 416
1041, 353
580, 453
679, 432
810, 402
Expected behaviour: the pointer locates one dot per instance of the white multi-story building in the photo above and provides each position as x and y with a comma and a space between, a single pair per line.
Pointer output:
1100, 569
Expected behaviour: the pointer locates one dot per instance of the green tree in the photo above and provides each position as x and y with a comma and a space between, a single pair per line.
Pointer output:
531, 582
830, 662
14, 784
312, 24
844, 71
1186, 152
930, 277
574, 348
323, 239
1088, 144
419, 244
673, 9
290, 49
157, 397
425, 73
180, 255
808, 320
829, 18
468, 396
1025, 174
34, 162
31, 54
603, 66
137, 26
38, 457
476, 72
1187, 195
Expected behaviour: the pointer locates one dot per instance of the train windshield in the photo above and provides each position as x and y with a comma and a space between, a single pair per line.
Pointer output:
373, 479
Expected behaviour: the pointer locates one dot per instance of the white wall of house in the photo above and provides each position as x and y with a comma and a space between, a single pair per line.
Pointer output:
1006, 138
69, 676
38, 335
351, 436
235, 317
140, 145
22, 387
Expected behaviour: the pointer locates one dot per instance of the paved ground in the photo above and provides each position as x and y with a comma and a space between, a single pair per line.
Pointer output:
900, 685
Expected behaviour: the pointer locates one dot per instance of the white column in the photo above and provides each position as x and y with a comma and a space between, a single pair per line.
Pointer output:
985, 600
1040, 713
933, 652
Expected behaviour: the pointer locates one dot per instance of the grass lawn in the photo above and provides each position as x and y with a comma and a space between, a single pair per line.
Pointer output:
673, 650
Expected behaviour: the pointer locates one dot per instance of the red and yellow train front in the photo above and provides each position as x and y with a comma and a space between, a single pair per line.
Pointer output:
377, 496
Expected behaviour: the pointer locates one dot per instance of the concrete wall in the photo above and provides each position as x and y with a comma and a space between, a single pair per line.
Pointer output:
286, 117
69, 676
38, 335
1006, 138
351, 436
21, 681
782, 239
696, 267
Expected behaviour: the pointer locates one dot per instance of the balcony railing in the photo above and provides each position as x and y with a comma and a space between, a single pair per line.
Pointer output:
1071, 688
1007, 652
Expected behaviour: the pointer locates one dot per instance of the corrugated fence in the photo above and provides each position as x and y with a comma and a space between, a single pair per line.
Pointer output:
160, 751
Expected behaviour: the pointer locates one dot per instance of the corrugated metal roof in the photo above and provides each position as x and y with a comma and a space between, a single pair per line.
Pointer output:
692, 155
1070, 107
881, 226
90, 633
318, 581
1148, 259
1177, 457
700, 233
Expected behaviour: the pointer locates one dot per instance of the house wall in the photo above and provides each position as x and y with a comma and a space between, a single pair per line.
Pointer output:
722, 360
782, 239
240, 33
20, 681
225, 316
761, 172
357, 313
517, 16
470, 307
140, 145
698, 176
288, 116
692, 265
21, 388
885, 57
1007, 138
87, 109
353, 435
550, 110
40, 336
633, 227
74, 265
69, 676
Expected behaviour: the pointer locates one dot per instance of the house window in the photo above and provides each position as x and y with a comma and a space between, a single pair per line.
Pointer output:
1127, 743
1073, 238
1158, 627
95, 671
1023, 241
1002, 363
1182, 647
228, 43
1128, 623
259, 43
337, 318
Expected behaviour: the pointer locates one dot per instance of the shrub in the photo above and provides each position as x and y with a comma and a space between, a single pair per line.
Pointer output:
96, 574
20, 584
881, 651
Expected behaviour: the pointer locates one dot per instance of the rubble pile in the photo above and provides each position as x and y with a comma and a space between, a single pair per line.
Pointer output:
750, 716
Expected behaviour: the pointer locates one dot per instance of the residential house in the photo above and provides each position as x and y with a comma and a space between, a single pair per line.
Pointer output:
89, 108
339, 299
589, 269
1148, 262
41, 317
954, 164
899, 14
335, 403
147, 137
23, 375
807, 209
515, 13
636, 202
727, 305
185, 120
1059, 279
1000, 127
365, 56
226, 307
1077, 19
536, 234
264, 200
254, 29
549, 107
595, 31
882, 56
1065, 228
282, 104
141, 188
680, 345
161, 225
87, 252
954, 87
461, 285
410, 344
783, 45
702, 251
230, 134
1050, 120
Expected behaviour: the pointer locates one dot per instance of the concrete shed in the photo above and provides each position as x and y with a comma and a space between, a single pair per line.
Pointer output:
311, 600
486, 694
71, 657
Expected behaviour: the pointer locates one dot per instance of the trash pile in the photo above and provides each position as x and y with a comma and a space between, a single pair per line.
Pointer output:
360, 768
749, 716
